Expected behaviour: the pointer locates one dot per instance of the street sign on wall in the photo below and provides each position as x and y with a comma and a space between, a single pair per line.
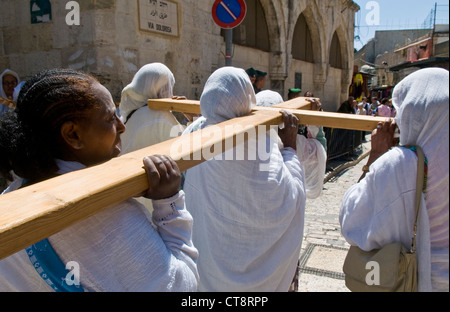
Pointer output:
160, 16
229, 14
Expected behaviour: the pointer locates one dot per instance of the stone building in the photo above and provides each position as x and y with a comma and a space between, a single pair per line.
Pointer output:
299, 43
395, 54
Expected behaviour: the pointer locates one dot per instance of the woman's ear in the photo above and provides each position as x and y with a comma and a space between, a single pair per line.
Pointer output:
70, 133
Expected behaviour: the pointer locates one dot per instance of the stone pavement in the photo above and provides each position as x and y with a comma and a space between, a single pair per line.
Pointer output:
324, 248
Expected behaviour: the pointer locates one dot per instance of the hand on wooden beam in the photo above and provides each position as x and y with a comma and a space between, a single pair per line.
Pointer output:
288, 134
316, 104
163, 175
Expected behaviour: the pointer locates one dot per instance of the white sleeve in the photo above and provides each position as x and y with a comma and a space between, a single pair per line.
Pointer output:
119, 249
174, 224
295, 170
313, 158
292, 162
380, 209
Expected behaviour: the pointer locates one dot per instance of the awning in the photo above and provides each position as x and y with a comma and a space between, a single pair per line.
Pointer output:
430, 62
413, 44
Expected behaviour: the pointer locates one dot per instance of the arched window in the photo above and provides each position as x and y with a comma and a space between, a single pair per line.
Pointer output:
253, 32
302, 48
335, 52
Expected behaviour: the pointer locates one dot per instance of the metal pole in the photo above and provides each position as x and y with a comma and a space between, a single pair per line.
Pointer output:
229, 47
435, 15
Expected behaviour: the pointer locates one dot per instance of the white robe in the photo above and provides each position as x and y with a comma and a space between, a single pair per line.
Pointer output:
119, 250
248, 223
145, 126
380, 209
148, 127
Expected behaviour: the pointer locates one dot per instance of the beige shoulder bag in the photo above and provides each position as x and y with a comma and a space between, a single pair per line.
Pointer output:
392, 268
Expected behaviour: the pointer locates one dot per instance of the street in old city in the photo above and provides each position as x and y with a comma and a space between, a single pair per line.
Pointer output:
324, 248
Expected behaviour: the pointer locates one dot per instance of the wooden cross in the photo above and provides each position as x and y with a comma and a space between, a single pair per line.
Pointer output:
34, 213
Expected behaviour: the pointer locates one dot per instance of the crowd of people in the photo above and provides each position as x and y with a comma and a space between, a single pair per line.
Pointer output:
224, 225
383, 108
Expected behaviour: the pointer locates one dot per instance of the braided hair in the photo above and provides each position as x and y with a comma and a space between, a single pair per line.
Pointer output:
30, 138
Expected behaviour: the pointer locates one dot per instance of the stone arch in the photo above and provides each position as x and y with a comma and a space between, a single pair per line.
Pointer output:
254, 30
277, 38
302, 46
273, 18
313, 21
340, 35
335, 55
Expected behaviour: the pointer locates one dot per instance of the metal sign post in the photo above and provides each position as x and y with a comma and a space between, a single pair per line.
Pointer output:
228, 47
229, 14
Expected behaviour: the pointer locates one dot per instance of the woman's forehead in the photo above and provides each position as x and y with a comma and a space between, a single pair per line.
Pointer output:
102, 93
9, 77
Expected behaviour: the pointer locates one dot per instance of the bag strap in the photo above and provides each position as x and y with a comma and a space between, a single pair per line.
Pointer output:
420, 188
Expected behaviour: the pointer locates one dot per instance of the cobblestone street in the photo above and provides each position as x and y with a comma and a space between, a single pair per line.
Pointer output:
324, 249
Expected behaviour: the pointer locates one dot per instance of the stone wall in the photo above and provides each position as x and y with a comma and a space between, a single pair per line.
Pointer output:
110, 44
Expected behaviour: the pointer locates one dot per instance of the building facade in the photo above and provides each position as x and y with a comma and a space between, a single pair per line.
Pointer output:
393, 55
306, 44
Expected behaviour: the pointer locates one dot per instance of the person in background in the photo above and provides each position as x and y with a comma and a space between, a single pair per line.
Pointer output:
294, 93
260, 82
361, 110
355, 107
366, 106
392, 108
380, 209
374, 106
384, 110
66, 121
347, 106
310, 151
10, 79
147, 127
251, 74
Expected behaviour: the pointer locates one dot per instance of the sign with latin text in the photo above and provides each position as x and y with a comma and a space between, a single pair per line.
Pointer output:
159, 16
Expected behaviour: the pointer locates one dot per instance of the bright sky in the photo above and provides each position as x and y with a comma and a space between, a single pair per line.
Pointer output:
396, 14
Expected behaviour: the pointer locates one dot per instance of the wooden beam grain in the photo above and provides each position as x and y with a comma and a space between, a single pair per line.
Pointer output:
304, 114
33, 213
36, 212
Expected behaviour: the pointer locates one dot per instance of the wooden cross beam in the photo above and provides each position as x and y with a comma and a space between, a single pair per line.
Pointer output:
299, 107
39, 211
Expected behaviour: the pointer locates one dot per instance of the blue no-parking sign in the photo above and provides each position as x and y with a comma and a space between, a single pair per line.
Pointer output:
229, 13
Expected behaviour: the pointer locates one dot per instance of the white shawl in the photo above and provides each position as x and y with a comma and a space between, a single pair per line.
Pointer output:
311, 152
147, 127
248, 223
380, 209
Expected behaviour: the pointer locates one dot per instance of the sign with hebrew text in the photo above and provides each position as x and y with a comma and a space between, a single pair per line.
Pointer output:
159, 16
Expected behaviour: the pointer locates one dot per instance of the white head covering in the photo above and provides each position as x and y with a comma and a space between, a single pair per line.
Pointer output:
153, 81
268, 98
17, 91
421, 101
228, 94
248, 222
7, 72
